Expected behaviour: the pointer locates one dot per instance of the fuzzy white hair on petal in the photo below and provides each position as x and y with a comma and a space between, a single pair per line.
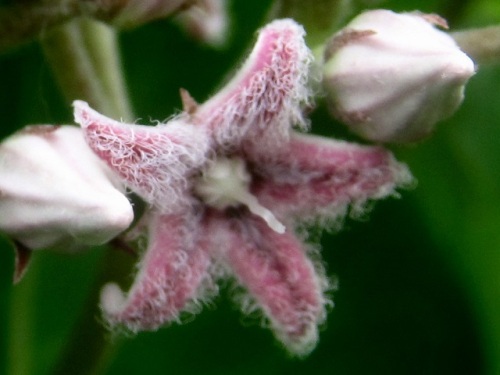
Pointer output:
269, 93
154, 161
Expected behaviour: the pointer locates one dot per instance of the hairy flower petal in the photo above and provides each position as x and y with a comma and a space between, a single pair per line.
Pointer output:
268, 94
315, 177
278, 274
154, 161
251, 180
169, 281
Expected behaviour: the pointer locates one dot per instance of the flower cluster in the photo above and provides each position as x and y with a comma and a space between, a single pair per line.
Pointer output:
231, 183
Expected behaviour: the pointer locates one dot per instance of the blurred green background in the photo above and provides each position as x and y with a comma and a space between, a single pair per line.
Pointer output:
418, 281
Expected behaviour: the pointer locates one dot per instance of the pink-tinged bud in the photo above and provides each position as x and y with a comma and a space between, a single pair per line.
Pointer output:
55, 193
207, 21
130, 13
391, 77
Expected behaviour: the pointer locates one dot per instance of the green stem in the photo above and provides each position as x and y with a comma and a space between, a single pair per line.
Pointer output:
102, 46
64, 48
85, 58
482, 45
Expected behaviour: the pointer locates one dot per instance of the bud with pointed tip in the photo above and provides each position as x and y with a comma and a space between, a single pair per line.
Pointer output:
55, 193
391, 77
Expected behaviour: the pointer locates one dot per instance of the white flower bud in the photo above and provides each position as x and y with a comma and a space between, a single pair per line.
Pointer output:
390, 77
55, 193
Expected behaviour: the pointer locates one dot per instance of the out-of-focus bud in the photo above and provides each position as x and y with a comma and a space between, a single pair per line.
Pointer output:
390, 77
130, 13
55, 193
207, 21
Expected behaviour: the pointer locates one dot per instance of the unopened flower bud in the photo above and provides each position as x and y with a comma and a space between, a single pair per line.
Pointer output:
55, 193
207, 21
391, 77
130, 13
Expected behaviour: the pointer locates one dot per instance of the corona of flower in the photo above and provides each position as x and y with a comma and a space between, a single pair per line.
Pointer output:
229, 183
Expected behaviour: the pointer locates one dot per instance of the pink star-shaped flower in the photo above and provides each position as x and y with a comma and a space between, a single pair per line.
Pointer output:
230, 185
